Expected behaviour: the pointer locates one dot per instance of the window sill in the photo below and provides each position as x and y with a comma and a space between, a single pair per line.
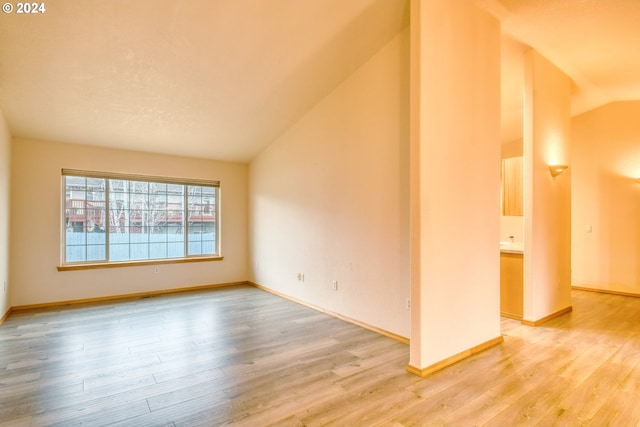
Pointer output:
89, 266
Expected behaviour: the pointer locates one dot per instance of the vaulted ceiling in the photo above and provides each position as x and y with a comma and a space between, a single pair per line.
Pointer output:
223, 78
595, 42
206, 78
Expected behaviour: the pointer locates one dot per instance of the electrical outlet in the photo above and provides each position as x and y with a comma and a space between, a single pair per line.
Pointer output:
334, 285
300, 277
407, 303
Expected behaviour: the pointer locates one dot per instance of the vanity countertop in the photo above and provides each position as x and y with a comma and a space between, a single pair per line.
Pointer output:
512, 248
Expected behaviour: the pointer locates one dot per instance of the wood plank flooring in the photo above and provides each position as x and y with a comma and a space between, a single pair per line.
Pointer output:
243, 357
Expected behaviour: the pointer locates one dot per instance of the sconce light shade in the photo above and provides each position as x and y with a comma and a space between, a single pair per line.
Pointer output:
557, 169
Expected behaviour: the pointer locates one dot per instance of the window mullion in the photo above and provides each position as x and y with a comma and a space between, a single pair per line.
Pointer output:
107, 219
185, 217
84, 226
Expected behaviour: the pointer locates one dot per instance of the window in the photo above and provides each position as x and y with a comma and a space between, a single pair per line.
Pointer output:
112, 218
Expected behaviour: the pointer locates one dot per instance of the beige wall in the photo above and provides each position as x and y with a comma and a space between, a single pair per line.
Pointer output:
606, 198
36, 213
455, 180
5, 170
512, 226
329, 199
547, 200
512, 149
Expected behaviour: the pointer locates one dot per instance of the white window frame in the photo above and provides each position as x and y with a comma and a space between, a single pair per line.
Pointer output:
106, 224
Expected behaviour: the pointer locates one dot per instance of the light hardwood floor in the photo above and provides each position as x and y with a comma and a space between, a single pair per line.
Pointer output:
240, 356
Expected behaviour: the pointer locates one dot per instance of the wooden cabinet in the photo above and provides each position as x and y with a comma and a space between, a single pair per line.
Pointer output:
511, 285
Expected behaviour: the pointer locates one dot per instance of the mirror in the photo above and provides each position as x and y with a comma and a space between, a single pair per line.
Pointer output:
512, 187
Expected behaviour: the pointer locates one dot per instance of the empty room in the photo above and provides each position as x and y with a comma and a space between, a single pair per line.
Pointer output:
322, 212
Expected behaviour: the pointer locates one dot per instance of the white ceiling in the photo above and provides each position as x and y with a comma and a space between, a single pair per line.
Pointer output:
223, 78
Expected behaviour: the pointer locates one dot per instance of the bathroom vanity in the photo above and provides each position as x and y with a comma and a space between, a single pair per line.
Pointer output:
511, 280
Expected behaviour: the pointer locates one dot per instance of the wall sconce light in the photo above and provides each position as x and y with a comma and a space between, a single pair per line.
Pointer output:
557, 169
